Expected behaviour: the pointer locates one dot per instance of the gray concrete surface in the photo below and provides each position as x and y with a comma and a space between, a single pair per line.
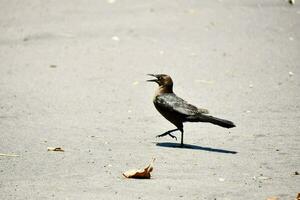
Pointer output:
73, 76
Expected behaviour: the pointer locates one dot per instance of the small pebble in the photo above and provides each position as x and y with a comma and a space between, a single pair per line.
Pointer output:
191, 11
115, 38
111, 1
264, 178
135, 83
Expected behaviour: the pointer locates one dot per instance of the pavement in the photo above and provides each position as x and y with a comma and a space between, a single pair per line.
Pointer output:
73, 76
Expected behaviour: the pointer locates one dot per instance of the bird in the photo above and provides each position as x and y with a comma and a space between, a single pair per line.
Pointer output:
178, 111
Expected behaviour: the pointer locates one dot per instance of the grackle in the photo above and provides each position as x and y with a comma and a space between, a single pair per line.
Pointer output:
177, 110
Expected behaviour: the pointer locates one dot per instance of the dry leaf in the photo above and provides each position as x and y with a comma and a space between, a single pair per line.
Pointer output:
55, 149
8, 155
140, 173
298, 197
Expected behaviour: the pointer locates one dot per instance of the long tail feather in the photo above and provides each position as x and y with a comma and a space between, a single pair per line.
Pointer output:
214, 120
221, 122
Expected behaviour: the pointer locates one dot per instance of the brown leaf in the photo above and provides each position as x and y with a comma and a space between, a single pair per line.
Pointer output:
298, 197
140, 173
55, 149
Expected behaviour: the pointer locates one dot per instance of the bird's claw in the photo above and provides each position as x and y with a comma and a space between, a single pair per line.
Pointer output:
172, 136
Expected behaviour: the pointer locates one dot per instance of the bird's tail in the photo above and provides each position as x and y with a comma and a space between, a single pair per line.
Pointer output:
214, 120
220, 122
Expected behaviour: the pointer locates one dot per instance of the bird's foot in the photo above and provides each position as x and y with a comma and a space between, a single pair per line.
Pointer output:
164, 134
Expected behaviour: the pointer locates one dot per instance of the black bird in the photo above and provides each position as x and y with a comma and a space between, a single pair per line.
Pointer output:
178, 111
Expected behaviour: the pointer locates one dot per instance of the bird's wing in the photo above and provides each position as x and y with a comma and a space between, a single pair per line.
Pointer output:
174, 103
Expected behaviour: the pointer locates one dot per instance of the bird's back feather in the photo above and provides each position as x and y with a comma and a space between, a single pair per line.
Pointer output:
172, 102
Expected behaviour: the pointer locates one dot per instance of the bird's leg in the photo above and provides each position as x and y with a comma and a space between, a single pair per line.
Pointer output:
169, 133
181, 130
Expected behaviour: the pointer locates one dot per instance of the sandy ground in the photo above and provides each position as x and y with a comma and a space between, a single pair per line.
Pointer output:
73, 76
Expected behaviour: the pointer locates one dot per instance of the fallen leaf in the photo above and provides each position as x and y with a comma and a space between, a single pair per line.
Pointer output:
140, 173
9, 155
298, 197
55, 149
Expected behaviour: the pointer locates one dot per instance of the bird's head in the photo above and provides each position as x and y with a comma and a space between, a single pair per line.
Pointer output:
162, 80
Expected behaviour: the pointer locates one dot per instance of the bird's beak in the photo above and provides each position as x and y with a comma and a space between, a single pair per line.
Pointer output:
153, 80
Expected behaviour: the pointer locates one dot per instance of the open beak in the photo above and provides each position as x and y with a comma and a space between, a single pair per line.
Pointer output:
153, 80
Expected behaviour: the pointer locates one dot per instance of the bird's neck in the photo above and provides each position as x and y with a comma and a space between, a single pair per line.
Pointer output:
163, 89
